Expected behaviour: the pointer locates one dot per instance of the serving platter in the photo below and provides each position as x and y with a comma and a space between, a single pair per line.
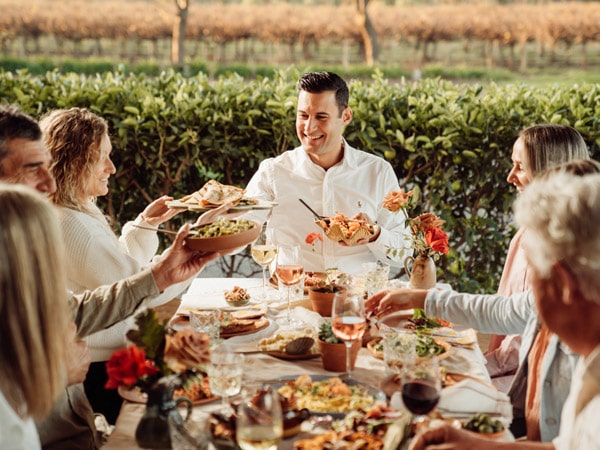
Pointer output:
459, 335
377, 394
180, 322
259, 205
135, 395
373, 347
288, 357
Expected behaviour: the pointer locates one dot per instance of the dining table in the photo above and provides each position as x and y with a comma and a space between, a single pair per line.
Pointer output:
472, 395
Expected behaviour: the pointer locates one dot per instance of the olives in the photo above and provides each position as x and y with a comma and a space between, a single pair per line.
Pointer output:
482, 423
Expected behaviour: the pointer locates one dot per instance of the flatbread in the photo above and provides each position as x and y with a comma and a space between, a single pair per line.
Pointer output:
214, 194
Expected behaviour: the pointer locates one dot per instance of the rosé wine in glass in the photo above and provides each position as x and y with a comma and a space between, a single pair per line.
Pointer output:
348, 321
289, 271
289, 275
349, 328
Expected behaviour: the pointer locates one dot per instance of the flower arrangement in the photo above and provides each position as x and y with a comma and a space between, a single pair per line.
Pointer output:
428, 238
158, 353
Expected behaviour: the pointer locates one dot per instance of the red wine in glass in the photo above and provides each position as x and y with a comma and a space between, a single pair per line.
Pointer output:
420, 397
421, 387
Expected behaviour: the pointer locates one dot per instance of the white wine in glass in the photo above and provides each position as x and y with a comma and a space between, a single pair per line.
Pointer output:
259, 422
289, 271
263, 252
349, 322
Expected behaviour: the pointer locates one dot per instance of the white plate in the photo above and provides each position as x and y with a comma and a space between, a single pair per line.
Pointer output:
262, 204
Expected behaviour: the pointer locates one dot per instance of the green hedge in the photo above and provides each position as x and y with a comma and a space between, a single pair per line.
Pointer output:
172, 133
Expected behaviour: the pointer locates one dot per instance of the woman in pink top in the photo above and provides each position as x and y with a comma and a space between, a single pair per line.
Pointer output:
536, 149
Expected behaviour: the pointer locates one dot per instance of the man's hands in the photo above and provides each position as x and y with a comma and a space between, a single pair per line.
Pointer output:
178, 262
376, 230
158, 212
386, 302
78, 357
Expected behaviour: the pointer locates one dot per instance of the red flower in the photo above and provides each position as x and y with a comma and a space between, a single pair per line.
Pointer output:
126, 366
312, 237
437, 239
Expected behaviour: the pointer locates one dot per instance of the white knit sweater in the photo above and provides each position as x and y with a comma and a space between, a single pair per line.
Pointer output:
95, 256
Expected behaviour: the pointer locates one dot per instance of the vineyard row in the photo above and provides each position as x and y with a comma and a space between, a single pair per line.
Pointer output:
304, 27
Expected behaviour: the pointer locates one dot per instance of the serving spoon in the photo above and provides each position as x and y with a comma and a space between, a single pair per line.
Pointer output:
317, 216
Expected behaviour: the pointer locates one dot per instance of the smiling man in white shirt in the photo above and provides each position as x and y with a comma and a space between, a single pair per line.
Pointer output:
332, 177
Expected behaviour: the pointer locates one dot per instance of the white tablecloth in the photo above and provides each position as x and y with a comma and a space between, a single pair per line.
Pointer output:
259, 367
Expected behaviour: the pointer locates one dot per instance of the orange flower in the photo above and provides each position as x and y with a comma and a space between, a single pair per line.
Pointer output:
426, 221
312, 237
427, 236
395, 200
437, 239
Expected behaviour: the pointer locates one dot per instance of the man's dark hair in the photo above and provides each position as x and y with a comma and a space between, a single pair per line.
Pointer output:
15, 124
317, 82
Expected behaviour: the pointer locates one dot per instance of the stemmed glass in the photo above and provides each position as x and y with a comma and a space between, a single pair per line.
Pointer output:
225, 374
263, 252
348, 321
259, 423
421, 387
289, 271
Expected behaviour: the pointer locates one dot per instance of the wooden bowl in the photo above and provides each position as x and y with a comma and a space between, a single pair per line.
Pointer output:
229, 243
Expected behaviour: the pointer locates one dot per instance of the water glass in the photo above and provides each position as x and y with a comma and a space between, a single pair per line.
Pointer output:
399, 350
207, 321
376, 276
225, 373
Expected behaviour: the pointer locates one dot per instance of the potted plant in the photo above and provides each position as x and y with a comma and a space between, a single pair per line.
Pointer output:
321, 295
333, 350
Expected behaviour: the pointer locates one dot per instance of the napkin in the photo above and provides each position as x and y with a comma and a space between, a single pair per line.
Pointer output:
471, 396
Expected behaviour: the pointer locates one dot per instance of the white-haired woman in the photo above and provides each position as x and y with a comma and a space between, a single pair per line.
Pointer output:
561, 215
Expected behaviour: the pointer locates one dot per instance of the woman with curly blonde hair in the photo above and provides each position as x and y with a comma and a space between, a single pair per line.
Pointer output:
34, 314
80, 146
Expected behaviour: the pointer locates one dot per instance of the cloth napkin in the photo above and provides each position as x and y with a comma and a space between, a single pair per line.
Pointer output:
470, 396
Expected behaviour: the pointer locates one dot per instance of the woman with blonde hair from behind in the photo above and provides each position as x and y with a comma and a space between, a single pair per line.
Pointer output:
34, 313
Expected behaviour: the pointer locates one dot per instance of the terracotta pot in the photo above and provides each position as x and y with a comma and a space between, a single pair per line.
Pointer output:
422, 272
322, 302
334, 355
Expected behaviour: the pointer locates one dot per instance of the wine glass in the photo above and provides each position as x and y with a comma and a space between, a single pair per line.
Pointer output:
225, 374
259, 422
289, 271
263, 252
348, 321
421, 387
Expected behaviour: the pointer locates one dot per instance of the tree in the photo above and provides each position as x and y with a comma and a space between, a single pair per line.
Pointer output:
177, 42
367, 32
